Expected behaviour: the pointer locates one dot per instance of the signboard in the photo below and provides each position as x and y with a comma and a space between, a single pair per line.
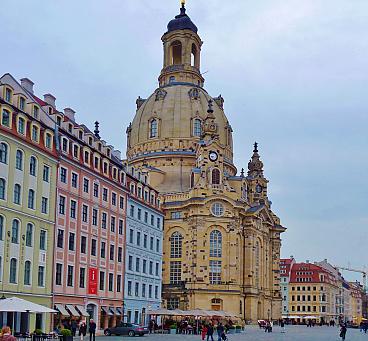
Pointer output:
92, 281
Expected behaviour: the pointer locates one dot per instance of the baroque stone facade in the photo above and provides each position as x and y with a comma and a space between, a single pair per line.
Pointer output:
221, 239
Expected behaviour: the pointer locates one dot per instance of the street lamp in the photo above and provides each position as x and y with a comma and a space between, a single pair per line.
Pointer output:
124, 305
268, 314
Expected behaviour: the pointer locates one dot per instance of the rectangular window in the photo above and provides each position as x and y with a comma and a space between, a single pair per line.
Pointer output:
137, 264
76, 151
157, 245
61, 205
144, 267
158, 223
63, 175
83, 248
82, 277
113, 199
121, 226
111, 282
143, 290
157, 269
151, 268
112, 250
151, 243
44, 205
104, 220
118, 283
156, 291
35, 133
102, 280
93, 247
103, 249
104, 194
138, 238
84, 213
146, 217
136, 289
130, 263
95, 190
21, 124
139, 214
47, 141
46, 173
129, 288
131, 236
176, 215
75, 180
120, 254
70, 275
85, 185
71, 241
145, 241
121, 203
112, 224
215, 272
175, 272
152, 219
41, 276
94, 217
131, 213
150, 291
43, 240
73, 209
60, 238
58, 274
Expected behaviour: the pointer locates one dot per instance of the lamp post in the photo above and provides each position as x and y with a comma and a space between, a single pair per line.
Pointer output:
268, 314
123, 310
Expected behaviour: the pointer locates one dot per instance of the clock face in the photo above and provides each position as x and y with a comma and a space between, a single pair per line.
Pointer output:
213, 156
259, 188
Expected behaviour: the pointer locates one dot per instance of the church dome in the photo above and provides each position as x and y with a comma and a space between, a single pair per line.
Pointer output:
181, 22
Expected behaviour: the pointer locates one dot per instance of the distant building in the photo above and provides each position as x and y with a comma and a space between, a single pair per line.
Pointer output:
357, 298
286, 265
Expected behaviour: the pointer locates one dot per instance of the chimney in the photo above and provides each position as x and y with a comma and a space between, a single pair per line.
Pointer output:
69, 113
27, 84
49, 99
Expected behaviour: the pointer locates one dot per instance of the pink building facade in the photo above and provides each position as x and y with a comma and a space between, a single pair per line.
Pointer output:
90, 227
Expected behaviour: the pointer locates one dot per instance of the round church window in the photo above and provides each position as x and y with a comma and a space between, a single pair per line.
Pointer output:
217, 209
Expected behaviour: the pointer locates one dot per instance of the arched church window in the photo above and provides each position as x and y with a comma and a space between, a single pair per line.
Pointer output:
193, 56
153, 128
176, 244
215, 244
215, 177
197, 127
176, 52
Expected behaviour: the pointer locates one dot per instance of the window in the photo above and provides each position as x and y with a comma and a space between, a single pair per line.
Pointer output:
34, 133
158, 223
70, 276
175, 272
2, 188
15, 231
27, 273
157, 245
151, 243
95, 190
94, 216
93, 247
71, 241
103, 250
151, 268
121, 226
136, 289
32, 166
215, 272
138, 238
130, 263
35, 112
146, 217
60, 238
3, 153
131, 213
19, 160
61, 205
13, 271
83, 247
63, 175
46, 173
153, 128
104, 194
64, 144
82, 277
197, 127
96, 162
73, 208
76, 151
111, 282
131, 236
102, 280
6, 118
215, 177
48, 141
74, 180
112, 224
176, 215
144, 267
121, 203
104, 220
129, 288
84, 213
21, 125
215, 244
137, 264
85, 185
44, 205
143, 290
31, 196
150, 291
217, 209
22, 103
152, 220
29, 234
113, 199
112, 251
139, 214
145, 241
156, 291
16, 196
41, 276
157, 269
8, 94
1, 228
86, 157
176, 241
120, 254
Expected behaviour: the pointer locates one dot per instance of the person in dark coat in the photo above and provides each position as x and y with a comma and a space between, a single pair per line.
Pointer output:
343, 331
220, 331
82, 330
210, 332
73, 327
92, 330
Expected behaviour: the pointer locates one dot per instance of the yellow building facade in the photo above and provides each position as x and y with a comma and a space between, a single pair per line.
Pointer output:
221, 238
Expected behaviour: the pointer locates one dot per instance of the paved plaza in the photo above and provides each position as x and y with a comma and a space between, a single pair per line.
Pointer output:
293, 333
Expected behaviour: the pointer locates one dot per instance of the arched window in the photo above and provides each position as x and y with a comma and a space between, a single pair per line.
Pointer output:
19, 160
21, 125
32, 166
176, 52
31, 195
197, 127
215, 244
15, 231
17, 191
27, 273
215, 177
176, 242
6, 118
29, 234
1, 227
153, 128
13, 271
2, 188
193, 56
257, 255
3, 153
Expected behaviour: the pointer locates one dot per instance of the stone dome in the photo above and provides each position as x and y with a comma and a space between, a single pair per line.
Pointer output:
175, 108
181, 22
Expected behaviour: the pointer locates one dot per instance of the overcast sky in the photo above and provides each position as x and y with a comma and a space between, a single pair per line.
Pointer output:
293, 74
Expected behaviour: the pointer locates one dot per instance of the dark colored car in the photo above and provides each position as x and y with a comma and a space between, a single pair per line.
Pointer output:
126, 329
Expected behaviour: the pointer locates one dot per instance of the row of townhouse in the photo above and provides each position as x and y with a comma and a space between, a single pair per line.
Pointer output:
317, 291
71, 213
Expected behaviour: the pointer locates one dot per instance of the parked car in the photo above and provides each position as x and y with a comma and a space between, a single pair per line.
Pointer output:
126, 329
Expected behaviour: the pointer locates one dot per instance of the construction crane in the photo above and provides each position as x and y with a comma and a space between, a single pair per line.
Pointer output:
363, 272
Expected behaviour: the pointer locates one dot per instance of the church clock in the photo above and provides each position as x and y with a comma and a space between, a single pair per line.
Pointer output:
213, 156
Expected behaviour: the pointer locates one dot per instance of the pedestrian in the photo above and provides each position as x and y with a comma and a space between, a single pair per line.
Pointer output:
210, 332
92, 330
282, 325
270, 328
204, 332
73, 327
6, 334
343, 331
82, 330
220, 331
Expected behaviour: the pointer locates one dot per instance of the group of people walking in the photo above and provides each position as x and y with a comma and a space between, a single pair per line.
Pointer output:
209, 330
81, 328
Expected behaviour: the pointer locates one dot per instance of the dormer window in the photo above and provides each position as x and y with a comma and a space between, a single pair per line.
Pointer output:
86, 157
50, 110
90, 141
48, 140
5, 119
108, 152
21, 125
8, 95
70, 127
22, 103
76, 151
114, 173
153, 128
58, 121
80, 135
35, 111
96, 162
105, 167
99, 146
35, 133
64, 145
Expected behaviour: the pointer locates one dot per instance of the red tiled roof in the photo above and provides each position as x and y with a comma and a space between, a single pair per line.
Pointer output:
39, 101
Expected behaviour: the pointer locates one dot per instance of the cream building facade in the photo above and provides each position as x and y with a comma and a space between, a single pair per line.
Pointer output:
222, 241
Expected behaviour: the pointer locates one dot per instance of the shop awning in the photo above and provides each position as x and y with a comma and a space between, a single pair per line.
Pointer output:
115, 311
82, 310
61, 309
118, 309
107, 311
72, 310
